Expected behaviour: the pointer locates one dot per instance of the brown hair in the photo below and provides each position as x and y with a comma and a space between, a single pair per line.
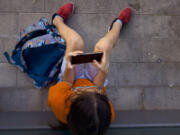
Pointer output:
90, 114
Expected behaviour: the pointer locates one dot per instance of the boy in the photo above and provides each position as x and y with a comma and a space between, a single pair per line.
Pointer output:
79, 101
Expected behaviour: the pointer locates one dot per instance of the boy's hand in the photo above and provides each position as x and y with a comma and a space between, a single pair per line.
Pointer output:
103, 65
69, 72
68, 58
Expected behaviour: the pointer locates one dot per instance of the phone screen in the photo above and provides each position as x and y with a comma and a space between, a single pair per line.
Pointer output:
86, 58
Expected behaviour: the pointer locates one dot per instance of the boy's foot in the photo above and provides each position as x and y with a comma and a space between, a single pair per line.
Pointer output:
124, 17
64, 12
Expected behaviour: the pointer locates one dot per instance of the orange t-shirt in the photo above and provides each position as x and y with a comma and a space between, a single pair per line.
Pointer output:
58, 98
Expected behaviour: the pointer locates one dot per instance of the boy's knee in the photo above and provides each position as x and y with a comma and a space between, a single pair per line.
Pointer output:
77, 43
103, 44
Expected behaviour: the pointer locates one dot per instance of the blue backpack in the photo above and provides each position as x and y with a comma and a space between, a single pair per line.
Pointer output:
39, 53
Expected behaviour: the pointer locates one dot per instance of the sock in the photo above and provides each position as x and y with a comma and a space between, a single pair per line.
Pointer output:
119, 21
60, 17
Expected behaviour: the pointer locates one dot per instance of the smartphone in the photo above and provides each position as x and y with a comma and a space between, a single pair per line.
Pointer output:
86, 58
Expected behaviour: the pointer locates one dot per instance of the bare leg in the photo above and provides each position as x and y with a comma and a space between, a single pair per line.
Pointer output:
106, 44
109, 40
74, 42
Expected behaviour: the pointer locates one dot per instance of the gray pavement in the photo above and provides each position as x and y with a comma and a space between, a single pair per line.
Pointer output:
145, 64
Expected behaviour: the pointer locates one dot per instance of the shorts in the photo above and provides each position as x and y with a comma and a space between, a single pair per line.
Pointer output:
86, 71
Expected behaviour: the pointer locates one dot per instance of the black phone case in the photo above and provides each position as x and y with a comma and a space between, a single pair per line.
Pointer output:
86, 58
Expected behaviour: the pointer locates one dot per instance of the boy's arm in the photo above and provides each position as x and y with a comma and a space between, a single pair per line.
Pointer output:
103, 70
68, 75
69, 71
100, 78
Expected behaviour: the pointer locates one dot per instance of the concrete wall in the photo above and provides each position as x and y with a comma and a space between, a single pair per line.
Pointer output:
144, 71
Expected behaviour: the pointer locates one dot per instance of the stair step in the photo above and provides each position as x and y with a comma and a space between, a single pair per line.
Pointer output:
124, 119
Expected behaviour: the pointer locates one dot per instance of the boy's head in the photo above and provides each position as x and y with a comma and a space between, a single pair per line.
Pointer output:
90, 114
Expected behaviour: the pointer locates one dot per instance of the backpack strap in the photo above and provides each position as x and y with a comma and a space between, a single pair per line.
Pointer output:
7, 57
30, 36
20, 44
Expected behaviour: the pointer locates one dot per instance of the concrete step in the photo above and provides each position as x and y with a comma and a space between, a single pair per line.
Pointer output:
132, 86
144, 70
124, 119
122, 98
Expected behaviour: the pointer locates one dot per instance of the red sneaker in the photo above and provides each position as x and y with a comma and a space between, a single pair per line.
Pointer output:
66, 10
125, 15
